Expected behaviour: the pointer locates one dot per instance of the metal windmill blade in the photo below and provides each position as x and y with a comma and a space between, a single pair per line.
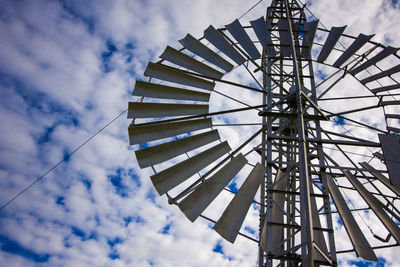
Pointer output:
285, 152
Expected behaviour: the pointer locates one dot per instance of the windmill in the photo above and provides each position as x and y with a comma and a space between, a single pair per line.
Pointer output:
283, 153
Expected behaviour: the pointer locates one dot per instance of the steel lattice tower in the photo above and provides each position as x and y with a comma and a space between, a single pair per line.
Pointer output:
287, 76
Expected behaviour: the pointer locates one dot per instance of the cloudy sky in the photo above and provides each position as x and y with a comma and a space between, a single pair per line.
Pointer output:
67, 68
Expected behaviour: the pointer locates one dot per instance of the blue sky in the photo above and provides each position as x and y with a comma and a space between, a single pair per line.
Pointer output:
67, 68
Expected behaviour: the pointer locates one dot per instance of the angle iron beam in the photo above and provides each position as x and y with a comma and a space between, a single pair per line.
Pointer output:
286, 225
307, 235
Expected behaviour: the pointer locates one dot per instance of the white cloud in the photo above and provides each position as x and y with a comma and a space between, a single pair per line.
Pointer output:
60, 81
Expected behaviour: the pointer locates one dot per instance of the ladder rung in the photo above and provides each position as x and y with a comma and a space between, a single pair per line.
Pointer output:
393, 116
388, 103
393, 129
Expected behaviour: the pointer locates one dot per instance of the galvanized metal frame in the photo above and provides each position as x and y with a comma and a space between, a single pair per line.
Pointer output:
295, 147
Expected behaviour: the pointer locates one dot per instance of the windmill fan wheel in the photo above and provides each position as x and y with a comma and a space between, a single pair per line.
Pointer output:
244, 105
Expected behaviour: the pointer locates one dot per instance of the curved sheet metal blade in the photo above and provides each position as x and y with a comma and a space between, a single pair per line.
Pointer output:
261, 30
237, 31
194, 204
284, 37
357, 238
145, 133
361, 40
157, 110
264, 36
381, 177
153, 90
198, 48
382, 74
229, 223
308, 39
331, 40
175, 175
387, 51
219, 41
162, 72
160, 153
172, 55
376, 206
391, 152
